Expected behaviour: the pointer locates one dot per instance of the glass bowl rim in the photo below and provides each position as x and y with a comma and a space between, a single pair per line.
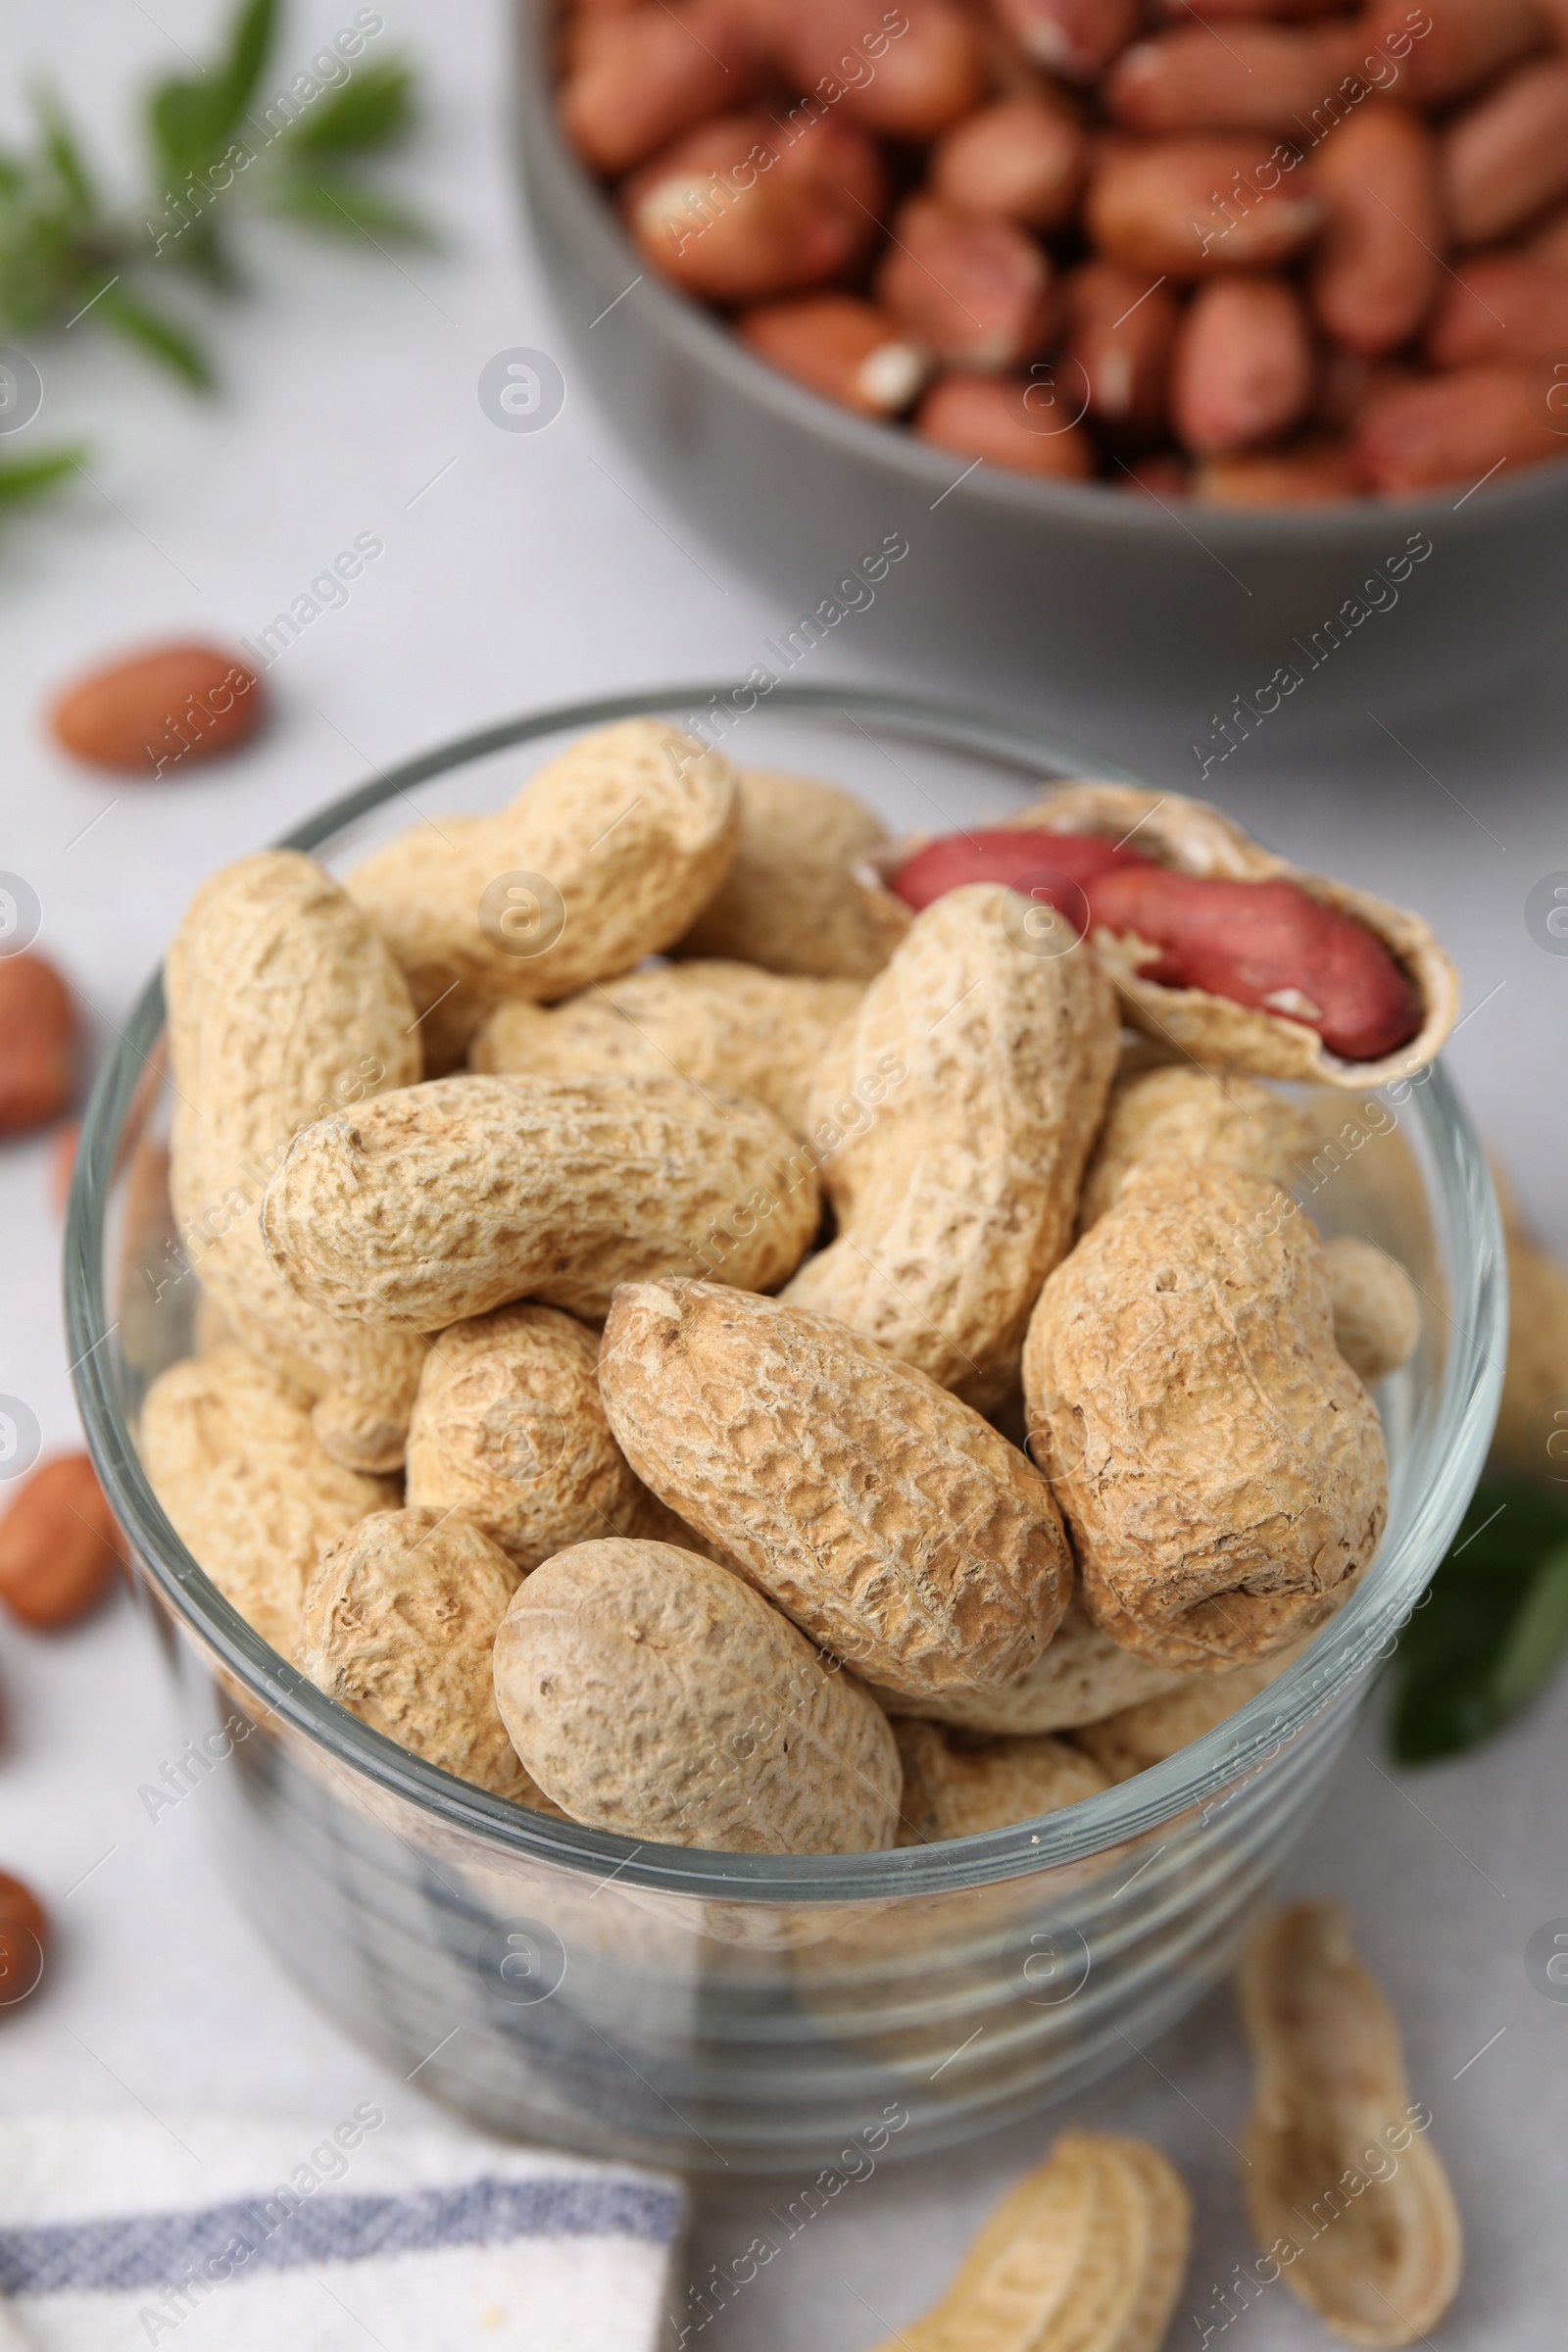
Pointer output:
1457, 1440
892, 449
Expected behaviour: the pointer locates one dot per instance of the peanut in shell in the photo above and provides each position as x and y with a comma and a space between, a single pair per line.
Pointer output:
791, 901
1080, 1676
957, 1783
1206, 1118
1377, 1310
459, 1195
1136, 1736
893, 1525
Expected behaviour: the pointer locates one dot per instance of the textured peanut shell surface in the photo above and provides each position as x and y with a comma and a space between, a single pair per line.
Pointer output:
604, 856
1532, 1433
1198, 839
1221, 1468
1136, 1736
789, 901
896, 1526
1079, 1676
248, 1487
463, 1194
1337, 2158
398, 1624
508, 1429
957, 1783
718, 1024
652, 1693
1086, 2254
1206, 1118
1377, 1312
284, 1008
958, 1197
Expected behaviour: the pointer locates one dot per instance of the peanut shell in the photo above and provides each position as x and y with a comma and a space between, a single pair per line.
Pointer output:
451, 1198
1206, 1118
898, 1527
718, 1024
1336, 2164
957, 1198
655, 1693
604, 856
1221, 1468
399, 1622
248, 1487
283, 1006
1079, 1676
790, 900
1136, 1736
1532, 1433
1086, 2254
1377, 1312
957, 1783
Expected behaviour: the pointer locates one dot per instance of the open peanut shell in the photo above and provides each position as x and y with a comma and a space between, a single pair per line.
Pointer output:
1195, 837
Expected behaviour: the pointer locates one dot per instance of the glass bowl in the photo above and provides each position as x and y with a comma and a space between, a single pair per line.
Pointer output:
700, 2008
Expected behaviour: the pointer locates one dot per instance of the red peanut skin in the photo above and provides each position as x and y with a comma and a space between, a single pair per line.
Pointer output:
1508, 157
1075, 39
924, 78
1156, 207
38, 1043
1453, 428
23, 1933
1120, 332
1376, 268
1244, 941
833, 342
636, 81
1242, 372
1020, 159
1549, 242
1260, 77
806, 216
985, 416
1500, 306
1469, 41
160, 710
975, 291
1313, 475
1225, 8
59, 1544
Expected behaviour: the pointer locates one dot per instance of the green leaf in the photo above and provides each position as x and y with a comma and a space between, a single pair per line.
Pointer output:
1491, 1629
29, 477
372, 111
60, 146
250, 46
1537, 1638
342, 209
157, 335
188, 118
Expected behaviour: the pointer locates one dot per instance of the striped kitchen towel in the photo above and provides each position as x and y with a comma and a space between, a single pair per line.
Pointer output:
237, 2233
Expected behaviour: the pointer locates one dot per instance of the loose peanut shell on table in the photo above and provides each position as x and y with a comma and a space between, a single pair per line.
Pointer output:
652, 1693
1341, 2185
604, 856
508, 1429
957, 1783
898, 1527
1079, 1676
1204, 1117
1136, 1736
1221, 1469
1377, 1312
791, 901
398, 1626
714, 1022
463, 1194
1532, 1433
997, 1042
1196, 839
1086, 2254
249, 1489
283, 1006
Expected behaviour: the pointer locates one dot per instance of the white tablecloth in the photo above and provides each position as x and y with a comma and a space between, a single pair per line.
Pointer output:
520, 568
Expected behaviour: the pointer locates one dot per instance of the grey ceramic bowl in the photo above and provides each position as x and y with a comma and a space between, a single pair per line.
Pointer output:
1079, 593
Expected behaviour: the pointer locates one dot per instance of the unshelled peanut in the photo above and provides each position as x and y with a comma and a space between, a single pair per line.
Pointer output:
960, 1784
789, 901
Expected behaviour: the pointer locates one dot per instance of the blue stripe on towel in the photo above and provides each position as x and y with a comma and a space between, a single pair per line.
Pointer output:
287, 2231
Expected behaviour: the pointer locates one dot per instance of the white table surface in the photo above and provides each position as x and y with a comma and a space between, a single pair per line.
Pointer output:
521, 569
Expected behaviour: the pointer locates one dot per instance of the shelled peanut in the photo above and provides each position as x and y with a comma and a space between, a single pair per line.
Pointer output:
1077, 242
698, 1494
